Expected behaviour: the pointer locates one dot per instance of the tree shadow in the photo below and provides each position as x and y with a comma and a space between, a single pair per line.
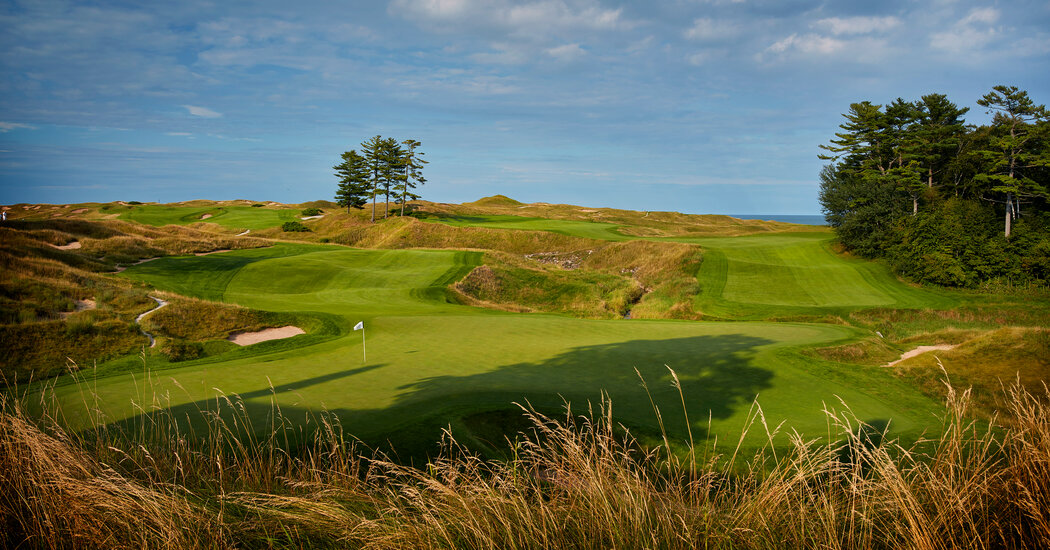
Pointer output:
716, 373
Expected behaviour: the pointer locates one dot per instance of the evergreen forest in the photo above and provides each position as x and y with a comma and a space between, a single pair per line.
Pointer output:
943, 201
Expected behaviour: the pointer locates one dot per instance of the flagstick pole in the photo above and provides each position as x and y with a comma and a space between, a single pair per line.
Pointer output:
364, 352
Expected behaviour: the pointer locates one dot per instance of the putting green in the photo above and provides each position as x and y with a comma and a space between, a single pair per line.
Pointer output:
430, 362
233, 217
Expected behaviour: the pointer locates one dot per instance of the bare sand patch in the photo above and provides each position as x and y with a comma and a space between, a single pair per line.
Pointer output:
71, 246
246, 231
211, 252
206, 216
80, 305
312, 217
79, 211
249, 338
919, 351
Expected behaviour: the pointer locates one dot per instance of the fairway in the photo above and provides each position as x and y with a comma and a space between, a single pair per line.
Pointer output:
431, 362
796, 273
232, 217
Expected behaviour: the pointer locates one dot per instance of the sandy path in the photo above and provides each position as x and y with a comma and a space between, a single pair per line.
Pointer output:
71, 246
919, 351
249, 338
160, 304
246, 231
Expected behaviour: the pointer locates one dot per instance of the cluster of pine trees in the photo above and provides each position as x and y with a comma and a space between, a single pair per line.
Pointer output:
944, 202
384, 166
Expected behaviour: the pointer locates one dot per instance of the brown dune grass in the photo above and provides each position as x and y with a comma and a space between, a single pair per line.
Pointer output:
576, 482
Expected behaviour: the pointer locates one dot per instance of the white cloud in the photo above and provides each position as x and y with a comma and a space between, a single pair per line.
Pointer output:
807, 43
202, 111
525, 19
178, 134
706, 28
8, 126
971, 33
857, 25
567, 52
987, 16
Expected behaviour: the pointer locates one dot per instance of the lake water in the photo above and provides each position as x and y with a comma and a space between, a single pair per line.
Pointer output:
789, 218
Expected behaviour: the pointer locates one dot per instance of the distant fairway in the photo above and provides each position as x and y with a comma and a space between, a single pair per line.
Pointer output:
233, 217
795, 273
431, 362
587, 230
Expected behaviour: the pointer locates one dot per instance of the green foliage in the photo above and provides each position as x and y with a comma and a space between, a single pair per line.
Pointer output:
134, 203
307, 212
913, 185
294, 226
258, 205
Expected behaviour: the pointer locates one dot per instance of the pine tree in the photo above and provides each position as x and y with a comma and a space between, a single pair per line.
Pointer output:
354, 183
1011, 152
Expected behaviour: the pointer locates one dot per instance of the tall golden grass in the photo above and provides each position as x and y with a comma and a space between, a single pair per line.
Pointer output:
575, 482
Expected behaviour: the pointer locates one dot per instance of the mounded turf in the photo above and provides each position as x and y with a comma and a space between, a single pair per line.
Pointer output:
763, 275
233, 217
431, 362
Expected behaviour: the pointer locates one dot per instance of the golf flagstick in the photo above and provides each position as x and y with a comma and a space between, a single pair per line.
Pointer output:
364, 353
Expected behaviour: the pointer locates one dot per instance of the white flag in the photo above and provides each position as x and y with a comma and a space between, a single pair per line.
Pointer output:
360, 325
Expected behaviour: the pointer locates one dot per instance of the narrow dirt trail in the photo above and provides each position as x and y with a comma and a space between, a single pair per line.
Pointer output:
138, 320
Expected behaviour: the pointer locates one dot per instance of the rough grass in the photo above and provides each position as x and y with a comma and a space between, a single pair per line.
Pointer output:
195, 319
987, 363
40, 286
575, 482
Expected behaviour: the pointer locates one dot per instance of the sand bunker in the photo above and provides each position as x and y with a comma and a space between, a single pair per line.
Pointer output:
79, 305
71, 246
246, 231
79, 211
312, 217
249, 338
206, 216
919, 351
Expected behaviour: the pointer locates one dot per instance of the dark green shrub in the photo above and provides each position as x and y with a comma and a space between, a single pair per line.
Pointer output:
134, 203
311, 212
181, 350
258, 205
324, 240
294, 226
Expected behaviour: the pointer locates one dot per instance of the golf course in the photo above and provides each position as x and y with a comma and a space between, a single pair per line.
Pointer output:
424, 361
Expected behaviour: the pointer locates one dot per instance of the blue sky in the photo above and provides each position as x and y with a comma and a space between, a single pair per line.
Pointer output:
702, 106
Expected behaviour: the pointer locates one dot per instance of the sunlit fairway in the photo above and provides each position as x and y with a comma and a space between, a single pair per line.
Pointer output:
233, 217
431, 363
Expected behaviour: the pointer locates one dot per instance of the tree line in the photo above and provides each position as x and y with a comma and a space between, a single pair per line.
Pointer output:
384, 166
944, 201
